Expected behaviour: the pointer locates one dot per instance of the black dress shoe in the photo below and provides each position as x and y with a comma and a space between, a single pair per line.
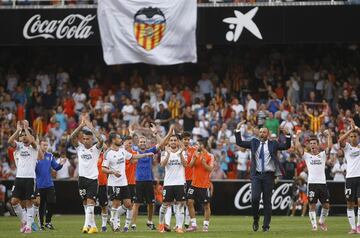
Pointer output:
266, 229
255, 225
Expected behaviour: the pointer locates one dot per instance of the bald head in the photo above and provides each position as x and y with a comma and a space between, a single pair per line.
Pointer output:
263, 134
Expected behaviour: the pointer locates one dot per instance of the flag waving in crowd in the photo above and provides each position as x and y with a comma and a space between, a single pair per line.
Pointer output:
155, 32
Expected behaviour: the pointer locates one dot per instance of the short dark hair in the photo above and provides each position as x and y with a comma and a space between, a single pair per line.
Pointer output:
24, 133
87, 132
186, 134
112, 136
127, 137
175, 135
314, 138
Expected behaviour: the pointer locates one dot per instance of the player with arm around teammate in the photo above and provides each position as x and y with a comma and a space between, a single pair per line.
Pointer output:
114, 165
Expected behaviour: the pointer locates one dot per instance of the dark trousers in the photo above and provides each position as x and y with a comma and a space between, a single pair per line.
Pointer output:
262, 183
47, 204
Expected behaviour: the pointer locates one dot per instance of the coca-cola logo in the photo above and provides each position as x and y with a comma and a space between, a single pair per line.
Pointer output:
280, 198
73, 26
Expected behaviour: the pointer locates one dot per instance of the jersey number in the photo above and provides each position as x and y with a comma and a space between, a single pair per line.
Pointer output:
190, 191
82, 192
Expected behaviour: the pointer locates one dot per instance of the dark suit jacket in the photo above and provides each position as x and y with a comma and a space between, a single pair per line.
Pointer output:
273, 146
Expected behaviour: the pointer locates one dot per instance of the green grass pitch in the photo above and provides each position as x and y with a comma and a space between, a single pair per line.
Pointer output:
220, 226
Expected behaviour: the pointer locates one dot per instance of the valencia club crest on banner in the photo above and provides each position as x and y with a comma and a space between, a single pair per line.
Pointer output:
149, 27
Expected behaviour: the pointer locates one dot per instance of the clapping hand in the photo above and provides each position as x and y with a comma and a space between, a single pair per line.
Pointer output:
19, 126
117, 174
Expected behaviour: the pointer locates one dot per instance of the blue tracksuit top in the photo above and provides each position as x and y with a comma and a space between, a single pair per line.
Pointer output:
43, 171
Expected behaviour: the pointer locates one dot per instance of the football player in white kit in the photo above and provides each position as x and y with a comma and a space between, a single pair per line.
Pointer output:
88, 155
352, 184
317, 189
174, 160
114, 165
27, 153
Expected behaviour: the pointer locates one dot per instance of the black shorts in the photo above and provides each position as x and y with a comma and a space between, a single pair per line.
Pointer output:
187, 186
171, 193
119, 193
352, 189
36, 193
47, 195
88, 188
144, 192
132, 190
102, 196
24, 188
318, 192
200, 195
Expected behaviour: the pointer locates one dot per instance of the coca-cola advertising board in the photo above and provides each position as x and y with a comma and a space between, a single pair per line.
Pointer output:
49, 27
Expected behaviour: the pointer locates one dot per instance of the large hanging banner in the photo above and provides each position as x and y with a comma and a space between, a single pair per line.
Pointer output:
157, 32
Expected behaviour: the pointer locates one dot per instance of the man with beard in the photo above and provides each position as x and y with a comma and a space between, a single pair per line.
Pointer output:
264, 167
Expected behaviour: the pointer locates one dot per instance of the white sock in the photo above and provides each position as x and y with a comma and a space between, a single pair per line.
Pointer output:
91, 216
179, 215
104, 217
351, 217
187, 216
162, 212
19, 212
323, 215
206, 223
128, 217
86, 222
358, 217
312, 216
193, 221
24, 214
168, 214
122, 209
29, 216
36, 214
114, 216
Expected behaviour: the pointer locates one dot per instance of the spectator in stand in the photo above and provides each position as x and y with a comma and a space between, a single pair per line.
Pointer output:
206, 87
339, 169
272, 124
242, 157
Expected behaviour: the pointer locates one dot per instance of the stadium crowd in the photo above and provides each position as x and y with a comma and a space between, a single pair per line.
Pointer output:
272, 87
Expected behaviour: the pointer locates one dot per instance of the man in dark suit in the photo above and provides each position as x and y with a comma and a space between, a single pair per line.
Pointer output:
265, 166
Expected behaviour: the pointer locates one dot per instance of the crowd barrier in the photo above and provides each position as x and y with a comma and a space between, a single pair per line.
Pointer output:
230, 197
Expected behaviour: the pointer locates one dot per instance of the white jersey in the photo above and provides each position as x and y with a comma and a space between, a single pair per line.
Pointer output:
88, 159
116, 161
174, 169
316, 167
352, 157
26, 157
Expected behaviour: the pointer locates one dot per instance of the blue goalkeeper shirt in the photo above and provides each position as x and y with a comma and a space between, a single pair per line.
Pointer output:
43, 171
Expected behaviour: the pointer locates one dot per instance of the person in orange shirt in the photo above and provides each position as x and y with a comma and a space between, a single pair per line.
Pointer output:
190, 150
130, 171
202, 163
102, 193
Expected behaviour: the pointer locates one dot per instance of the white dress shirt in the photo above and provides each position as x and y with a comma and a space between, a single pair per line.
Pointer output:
269, 165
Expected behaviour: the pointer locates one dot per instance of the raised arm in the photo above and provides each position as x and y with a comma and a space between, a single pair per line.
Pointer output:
239, 141
11, 140
140, 156
329, 142
74, 135
162, 142
306, 110
342, 139
298, 146
287, 144
98, 136
30, 137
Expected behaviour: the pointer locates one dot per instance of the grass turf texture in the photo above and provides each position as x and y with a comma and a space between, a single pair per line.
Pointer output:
220, 226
